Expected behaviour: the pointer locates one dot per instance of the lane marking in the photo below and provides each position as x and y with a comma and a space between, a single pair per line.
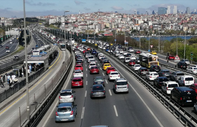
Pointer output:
86, 69
82, 113
86, 82
106, 81
100, 68
85, 93
60, 54
103, 74
146, 105
86, 75
115, 111
98, 64
110, 92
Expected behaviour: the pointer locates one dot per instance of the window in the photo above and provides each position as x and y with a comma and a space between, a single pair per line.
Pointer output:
65, 94
98, 88
67, 109
189, 79
121, 83
172, 85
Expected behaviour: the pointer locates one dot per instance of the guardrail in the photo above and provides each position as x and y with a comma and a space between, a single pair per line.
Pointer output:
41, 110
185, 118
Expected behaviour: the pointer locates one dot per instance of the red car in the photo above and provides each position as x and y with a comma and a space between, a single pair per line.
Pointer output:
79, 67
77, 82
137, 52
171, 57
84, 51
194, 87
131, 62
109, 69
94, 70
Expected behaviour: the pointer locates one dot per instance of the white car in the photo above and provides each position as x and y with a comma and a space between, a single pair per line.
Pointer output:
192, 69
117, 54
126, 59
121, 51
120, 57
168, 86
113, 75
125, 53
90, 58
130, 50
78, 73
92, 64
152, 75
136, 67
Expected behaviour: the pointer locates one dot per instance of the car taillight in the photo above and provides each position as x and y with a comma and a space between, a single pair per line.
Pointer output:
181, 98
118, 75
116, 86
110, 76
127, 86
56, 114
184, 81
166, 88
150, 77
71, 113
60, 97
196, 97
71, 96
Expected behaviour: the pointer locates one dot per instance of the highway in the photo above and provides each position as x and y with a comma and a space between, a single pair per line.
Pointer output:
137, 108
39, 89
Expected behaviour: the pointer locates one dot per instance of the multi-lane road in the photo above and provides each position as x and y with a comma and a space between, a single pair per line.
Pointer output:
137, 108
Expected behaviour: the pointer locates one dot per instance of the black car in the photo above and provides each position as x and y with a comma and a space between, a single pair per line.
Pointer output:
158, 82
97, 90
164, 72
175, 75
142, 71
182, 65
99, 80
155, 68
183, 95
79, 62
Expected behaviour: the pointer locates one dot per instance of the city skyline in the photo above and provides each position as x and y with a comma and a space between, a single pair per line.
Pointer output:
14, 8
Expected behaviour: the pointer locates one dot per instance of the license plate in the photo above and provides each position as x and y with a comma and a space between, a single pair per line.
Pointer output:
64, 119
189, 101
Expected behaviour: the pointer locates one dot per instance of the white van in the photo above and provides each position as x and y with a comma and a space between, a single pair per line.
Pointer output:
186, 80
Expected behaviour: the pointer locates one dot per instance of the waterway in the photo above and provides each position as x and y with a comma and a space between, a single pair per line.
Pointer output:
163, 37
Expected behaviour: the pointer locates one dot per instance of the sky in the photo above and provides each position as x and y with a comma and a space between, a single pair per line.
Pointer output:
14, 8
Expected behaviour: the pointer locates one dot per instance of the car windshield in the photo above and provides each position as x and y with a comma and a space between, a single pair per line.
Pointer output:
65, 94
65, 109
172, 85
121, 83
97, 88
163, 79
189, 79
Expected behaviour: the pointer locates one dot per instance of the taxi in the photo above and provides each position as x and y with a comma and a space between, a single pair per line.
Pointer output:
106, 65
154, 53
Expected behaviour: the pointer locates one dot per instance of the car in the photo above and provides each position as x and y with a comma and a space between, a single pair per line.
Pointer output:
79, 62
131, 50
125, 53
126, 59
1, 45
79, 58
79, 67
99, 80
158, 82
100, 126
182, 65
183, 96
153, 52
142, 71
137, 51
151, 76
121, 85
185, 61
155, 68
10, 42
168, 86
186, 80
113, 75
121, 57
66, 112
94, 70
106, 65
67, 95
131, 62
194, 87
175, 75
105, 61
110, 69
90, 58
136, 67
171, 57
195, 108
92, 64
165, 72
192, 69
117, 54
77, 82
78, 73
97, 91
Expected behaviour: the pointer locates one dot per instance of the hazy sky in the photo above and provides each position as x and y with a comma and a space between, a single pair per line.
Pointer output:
11, 8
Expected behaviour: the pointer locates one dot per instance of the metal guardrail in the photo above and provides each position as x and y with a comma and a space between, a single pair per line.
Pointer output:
185, 118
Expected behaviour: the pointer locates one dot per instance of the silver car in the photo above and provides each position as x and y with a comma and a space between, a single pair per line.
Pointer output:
67, 95
121, 85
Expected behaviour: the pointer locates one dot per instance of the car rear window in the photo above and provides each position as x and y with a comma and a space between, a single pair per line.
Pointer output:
94, 67
121, 83
180, 74
67, 109
78, 66
172, 85
65, 94
114, 73
98, 88
189, 79
76, 80
163, 79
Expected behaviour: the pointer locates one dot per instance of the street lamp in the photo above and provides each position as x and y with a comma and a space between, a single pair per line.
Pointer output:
64, 31
26, 74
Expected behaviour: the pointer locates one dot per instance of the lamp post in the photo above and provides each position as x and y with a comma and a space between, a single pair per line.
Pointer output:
26, 74
65, 31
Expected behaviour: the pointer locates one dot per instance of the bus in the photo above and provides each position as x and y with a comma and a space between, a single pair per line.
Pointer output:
62, 46
147, 59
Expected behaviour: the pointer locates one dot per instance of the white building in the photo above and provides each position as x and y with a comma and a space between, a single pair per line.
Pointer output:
168, 10
175, 10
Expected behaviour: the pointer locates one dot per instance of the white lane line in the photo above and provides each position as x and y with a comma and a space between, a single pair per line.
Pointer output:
86, 75
146, 105
110, 92
86, 82
106, 81
103, 74
85, 93
82, 113
115, 111
86, 69
100, 68
98, 64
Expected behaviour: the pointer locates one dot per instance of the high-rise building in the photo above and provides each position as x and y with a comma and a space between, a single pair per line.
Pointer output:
187, 10
162, 10
168, 10
153, 12
175, 10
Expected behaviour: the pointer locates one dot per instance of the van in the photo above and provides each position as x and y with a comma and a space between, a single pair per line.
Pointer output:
183, 96
186, 80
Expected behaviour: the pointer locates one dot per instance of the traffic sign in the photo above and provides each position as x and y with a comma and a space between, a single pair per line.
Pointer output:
151, 46
176, 59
